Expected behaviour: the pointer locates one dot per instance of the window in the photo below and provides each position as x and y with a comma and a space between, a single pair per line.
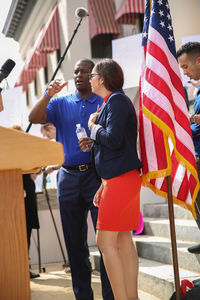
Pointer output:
45, 75
140, 21
101, 46
27, 97
58, 55
36, 87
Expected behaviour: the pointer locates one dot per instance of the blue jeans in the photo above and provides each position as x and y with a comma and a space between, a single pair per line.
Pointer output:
75, 195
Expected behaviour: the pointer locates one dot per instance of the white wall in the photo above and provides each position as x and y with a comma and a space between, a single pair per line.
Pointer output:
185, 18
80, 47
49, 245
131, 59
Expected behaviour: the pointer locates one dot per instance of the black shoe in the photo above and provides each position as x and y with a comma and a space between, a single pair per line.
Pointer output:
34, 275
196, 282
194, 249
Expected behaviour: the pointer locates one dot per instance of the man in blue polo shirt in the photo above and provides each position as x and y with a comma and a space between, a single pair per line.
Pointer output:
77, 182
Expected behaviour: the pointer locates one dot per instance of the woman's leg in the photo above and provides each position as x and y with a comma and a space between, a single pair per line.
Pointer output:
107, 243
129, 260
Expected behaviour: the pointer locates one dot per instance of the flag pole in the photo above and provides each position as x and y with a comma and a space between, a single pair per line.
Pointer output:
173, 238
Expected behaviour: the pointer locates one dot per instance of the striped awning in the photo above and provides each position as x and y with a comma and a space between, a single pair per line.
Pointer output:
26, 77
128, 11
36, 60
102, 17
50, 39
33, 63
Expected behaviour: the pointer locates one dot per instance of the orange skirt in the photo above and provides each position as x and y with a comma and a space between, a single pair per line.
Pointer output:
119, 207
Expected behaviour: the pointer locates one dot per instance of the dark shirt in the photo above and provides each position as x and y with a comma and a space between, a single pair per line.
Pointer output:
196, 127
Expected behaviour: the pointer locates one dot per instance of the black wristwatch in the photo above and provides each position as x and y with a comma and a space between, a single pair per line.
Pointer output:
192, 121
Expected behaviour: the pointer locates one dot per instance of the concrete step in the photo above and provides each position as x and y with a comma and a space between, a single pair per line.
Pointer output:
146, 296
160, 210
95, 258
186, 230
160, 249
156, 279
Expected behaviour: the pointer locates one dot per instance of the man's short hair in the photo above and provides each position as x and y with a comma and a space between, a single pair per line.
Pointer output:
190, 48
46, 126
88, 61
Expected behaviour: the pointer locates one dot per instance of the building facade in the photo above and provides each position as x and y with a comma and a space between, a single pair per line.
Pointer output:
45, 28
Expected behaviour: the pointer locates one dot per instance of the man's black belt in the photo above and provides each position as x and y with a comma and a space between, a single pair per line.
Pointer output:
80, 168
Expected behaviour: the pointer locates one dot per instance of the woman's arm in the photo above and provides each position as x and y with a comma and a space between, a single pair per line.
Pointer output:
117, 114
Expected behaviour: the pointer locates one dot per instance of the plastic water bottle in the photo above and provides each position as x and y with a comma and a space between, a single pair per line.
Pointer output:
81, 133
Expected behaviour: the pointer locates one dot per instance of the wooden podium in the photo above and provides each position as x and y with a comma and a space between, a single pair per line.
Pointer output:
19, 153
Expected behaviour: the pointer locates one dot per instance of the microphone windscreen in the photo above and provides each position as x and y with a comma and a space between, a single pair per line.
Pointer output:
81, 12
7, 67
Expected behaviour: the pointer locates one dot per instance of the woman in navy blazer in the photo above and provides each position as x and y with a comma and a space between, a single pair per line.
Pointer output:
114, 131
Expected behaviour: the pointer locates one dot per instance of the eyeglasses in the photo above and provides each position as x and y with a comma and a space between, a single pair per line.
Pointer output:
91, 75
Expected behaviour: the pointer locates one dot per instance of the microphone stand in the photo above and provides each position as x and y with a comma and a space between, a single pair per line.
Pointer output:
61, 60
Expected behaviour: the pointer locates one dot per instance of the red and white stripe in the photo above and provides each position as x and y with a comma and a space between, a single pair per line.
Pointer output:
26, 77
165, 136
128, 11
50, 40
36, 61
47, 41
102, 17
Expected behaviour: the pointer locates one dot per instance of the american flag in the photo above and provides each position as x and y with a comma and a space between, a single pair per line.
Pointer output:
166, 143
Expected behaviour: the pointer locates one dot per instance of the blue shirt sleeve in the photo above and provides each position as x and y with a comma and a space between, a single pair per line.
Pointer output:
51, 110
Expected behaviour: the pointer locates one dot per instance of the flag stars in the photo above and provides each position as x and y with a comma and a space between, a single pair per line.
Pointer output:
145, 34
168, 17
170, 27
167, 5
161, 13
160, 2
162, 24
170, 38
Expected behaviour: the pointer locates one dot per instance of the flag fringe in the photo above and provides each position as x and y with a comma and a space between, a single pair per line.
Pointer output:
167, 132
165, 195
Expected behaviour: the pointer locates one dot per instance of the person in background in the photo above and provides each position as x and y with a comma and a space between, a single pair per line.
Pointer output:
48, 131
77, 183
114, 132
189, 60
32, 220
30, 198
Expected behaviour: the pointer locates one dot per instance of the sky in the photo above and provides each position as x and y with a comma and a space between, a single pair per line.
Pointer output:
9, 47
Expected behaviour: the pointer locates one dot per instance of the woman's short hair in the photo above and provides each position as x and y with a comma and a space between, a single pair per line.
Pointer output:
111, 72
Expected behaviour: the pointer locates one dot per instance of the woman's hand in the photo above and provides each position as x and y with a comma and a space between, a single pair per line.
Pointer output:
55, 86
97, 197
92, 120
86, 144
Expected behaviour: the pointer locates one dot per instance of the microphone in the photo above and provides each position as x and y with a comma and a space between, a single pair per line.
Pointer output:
6, 68
81, 12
